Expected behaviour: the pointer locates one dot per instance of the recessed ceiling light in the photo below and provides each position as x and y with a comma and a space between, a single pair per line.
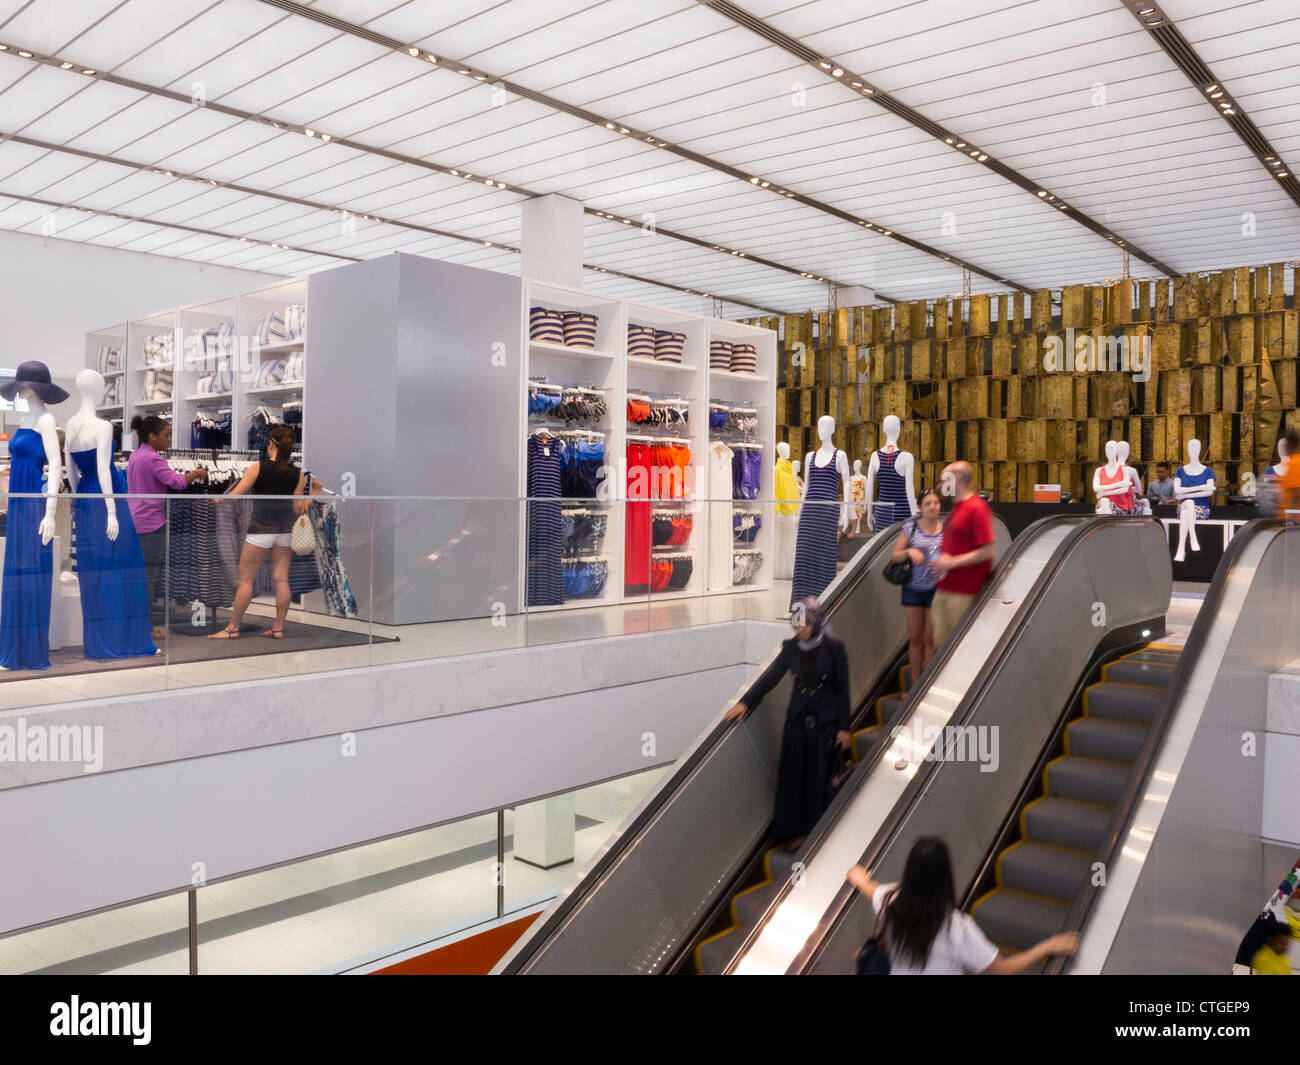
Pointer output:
487, 244
1229, 111
480, 77
500, 185
431, 58
764, 184
753, 181
868, 92
622, 129
1212, 88
974, 153
609, 125
1282, 173
1216, 95
1155, 21
1042, 192
488, 181
413, 51
65, 66
25, 55
310, 132
1147, 11
961, 144
327, 136
947, 140
4, 48
888, 232
838, 72
464, 70
824, 65
856, 84
982, 158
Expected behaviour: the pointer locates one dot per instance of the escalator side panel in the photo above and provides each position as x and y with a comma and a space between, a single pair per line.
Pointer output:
1022, 702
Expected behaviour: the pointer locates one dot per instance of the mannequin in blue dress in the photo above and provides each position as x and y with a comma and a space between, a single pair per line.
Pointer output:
1193, 488
110, 560
29, 528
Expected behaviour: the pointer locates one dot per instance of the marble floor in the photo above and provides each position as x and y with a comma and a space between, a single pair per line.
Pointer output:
332, 913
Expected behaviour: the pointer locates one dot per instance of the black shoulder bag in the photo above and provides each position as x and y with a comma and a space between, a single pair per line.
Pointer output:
901, 572
873, 958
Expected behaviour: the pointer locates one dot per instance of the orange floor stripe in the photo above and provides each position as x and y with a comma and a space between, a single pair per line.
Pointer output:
472, 956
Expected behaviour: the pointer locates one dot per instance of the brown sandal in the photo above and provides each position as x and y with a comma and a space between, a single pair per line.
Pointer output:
274, 634
224, 634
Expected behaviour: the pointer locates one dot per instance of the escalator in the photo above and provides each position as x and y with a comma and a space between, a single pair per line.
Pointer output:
668, 877
1102, 746
1030, 645
1024, 894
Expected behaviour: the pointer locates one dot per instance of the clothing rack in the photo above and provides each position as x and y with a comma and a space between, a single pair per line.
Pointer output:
547, 430
746, 444
650, 438
657, 398
212, 454
735, 408
567, 508
659, 553
586, 558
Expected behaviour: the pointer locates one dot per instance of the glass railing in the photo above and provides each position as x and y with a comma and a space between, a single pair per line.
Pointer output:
200, 590
358, 909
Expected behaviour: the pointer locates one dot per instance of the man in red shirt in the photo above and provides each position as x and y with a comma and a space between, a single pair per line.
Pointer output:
968, 546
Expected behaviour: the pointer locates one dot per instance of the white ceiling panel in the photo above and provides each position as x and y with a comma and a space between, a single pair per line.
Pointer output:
196, 42
341, 57
28, 98
46, 26
129, 29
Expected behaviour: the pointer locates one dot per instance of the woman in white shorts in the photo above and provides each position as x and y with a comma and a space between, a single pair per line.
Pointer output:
271, 529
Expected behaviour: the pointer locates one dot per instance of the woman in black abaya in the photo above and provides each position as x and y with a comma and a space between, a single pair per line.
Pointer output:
816, 721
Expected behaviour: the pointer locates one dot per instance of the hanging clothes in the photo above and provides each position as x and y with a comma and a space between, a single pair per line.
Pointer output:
28, 563
639, 513
326, 522
721, 458
787, 510
815, 550
891, 492
545, 584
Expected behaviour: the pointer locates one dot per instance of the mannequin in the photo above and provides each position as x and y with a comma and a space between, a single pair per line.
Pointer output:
858, 488
1112, 486
1283, 460
1193, 487
894, 470
787, 510
796, 466
826, 484
110, 561
28, 557
1268, 488
1143, 505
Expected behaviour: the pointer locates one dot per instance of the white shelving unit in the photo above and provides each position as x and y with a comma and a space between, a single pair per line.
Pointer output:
113, 337
137, 368
611, 368
196, 361
252, 308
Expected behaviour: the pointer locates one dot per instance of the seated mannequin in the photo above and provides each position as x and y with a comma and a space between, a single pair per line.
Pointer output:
1143, 505
1194, 487
1112, 486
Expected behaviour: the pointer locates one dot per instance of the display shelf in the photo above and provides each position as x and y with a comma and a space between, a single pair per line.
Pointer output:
153, 404
728, 375
655, 366
541, 347
207, 398
276, 390
252, 308
165, 367
110, 407
283, 348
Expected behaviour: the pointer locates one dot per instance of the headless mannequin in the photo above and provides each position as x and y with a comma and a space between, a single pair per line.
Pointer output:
796, 466
782, 450
1283, 461
822, 457
1115, 487
903, 465
1143, 505
858, 484
1187, 498
783, 567
86, 431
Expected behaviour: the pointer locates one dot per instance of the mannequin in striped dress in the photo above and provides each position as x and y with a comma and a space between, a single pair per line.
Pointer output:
892, 470
826, 483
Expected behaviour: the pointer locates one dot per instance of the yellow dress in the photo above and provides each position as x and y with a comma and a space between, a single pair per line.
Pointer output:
787, 488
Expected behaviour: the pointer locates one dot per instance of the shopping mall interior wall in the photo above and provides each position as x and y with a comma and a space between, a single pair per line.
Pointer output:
137, 832
53, 292
969, 378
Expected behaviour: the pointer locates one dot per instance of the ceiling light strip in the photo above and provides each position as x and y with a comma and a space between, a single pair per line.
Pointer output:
1161, 27
181, 227
643, 136
914, 118
312, 132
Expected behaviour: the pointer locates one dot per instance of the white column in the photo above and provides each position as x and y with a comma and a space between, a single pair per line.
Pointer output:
544, 831
551, 241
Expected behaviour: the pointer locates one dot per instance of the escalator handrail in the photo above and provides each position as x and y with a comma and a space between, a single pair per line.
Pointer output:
854, 572
825, 825
970, 702
1192, 648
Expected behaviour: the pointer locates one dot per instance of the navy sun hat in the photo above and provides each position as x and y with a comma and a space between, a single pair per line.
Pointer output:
36, 376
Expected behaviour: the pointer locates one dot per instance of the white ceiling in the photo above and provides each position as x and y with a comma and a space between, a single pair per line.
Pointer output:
1022, 79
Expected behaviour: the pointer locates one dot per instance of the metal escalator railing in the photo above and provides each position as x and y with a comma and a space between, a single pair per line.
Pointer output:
715, 803
1130, 571
1206, 619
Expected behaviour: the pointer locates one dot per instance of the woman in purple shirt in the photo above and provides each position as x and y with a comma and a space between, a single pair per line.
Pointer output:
147, 473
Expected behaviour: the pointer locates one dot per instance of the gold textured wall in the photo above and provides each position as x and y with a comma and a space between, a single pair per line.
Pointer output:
967, 378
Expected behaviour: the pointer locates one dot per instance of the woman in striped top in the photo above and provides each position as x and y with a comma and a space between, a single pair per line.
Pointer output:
922, 541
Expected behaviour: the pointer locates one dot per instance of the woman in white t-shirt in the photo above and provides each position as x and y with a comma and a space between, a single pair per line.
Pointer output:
924, 932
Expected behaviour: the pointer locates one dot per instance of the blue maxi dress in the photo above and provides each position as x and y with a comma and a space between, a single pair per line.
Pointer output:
28, 563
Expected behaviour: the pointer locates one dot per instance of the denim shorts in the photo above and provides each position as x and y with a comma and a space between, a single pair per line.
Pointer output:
917, 596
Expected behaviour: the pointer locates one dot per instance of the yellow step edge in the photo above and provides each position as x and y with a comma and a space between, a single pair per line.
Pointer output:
997, 865
982, 899
699, 965
1016, 893
1166, 647
731, 906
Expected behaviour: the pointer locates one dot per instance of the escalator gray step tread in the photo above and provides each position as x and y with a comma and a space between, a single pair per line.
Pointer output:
1044, 870
1125, 702
1154, 654
1087, 779
1104, 737
1149, 674
889, 707
779, 862
864, 740
749, 905
712, 955
1067, 823
1016, 922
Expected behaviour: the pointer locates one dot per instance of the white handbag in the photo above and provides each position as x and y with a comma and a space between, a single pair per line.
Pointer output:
303, 535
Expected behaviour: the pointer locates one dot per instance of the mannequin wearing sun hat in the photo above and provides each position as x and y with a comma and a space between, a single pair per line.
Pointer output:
28, 557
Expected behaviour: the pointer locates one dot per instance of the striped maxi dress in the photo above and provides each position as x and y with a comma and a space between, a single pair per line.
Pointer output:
545, 526
815, 552
891, 493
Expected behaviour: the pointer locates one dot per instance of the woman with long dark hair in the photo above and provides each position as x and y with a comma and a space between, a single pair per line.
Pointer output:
920, 540
147, 473
816, 721
926, 935
271, 529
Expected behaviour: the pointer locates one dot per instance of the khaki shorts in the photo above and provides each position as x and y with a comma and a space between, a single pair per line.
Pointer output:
947, 609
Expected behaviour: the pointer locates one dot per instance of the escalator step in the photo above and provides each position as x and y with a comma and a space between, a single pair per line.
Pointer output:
777, 863
1016, 922
904, 677
1127, 671
1087, 779
1039, 869
864, 740
888, 708
1067, 823
1152, 654
712, 955
749, 905
1124, 702
1106, 738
